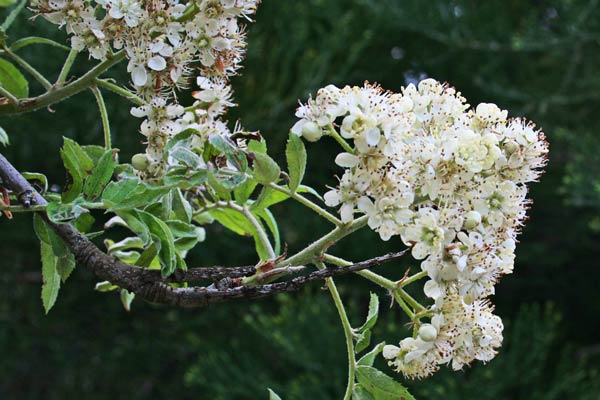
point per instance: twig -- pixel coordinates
(150, 285)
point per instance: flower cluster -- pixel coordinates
(165, 42)
(451, 182)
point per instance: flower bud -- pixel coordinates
(311, 131)
(140, 162)
(472, 219)
(390, 351)
(427, 333)
(511, 146)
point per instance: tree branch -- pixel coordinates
(149, 284)
(59, 93)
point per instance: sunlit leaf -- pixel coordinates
(13, 80)
(381, 386)
(100, 176)
(296, 158)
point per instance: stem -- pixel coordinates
(410, 300)
(403, 305)
(333, 133)
(315, 250)
(339, 305)
(13, 14)
(22, 209)
(106, 84)
(412, 279)
(27, 67)
(372, 276)
(62, 77)
(401, 296)
(104, 115)
(59, 94)
(306, 202)
(11, 97)
(262, 235)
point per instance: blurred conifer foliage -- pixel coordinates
(537, 58)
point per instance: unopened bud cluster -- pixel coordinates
(451, 183)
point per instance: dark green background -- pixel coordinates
(539, 59)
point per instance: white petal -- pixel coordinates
(157, 63)
(347, 160)
(139, 75)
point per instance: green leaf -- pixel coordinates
(35, 176)
(105, 286)
(186, 157)
(148, 256)
(19, 44)
(60, 213)
(273, 395)
(126, 299)
(7, 3)
(244, 191)
(125, 244)
(13, 80)
(223, 182)
(135, 224)
(167, 252)
(265, 169)
(362, 341)
(182, 229)
(268, 197)
(295, 153)
(185, 178)
(372, 315)
(64, 260)
(181, 207)
(234, 221)
(101, 175)
(381, 386)
(50, 276)
(94, 152)
(78, 165)
(3, 137)
(131, 193)
(369, 358)
(84, 223)
(271, 222)
(256, 146)
(360, 393)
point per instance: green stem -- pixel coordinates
(410, 300)
(339, 305)
(11, 97)
(412, 279)
(27, 67)
(316, 249)
(64, 72)
(385, 283)
(104, 115)
(262, 235)
(370, 275)
(59, 94)
(13, 14)
(333, 133)
(106, 84)
(22, 209)
(306, 202)
(404, 306)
